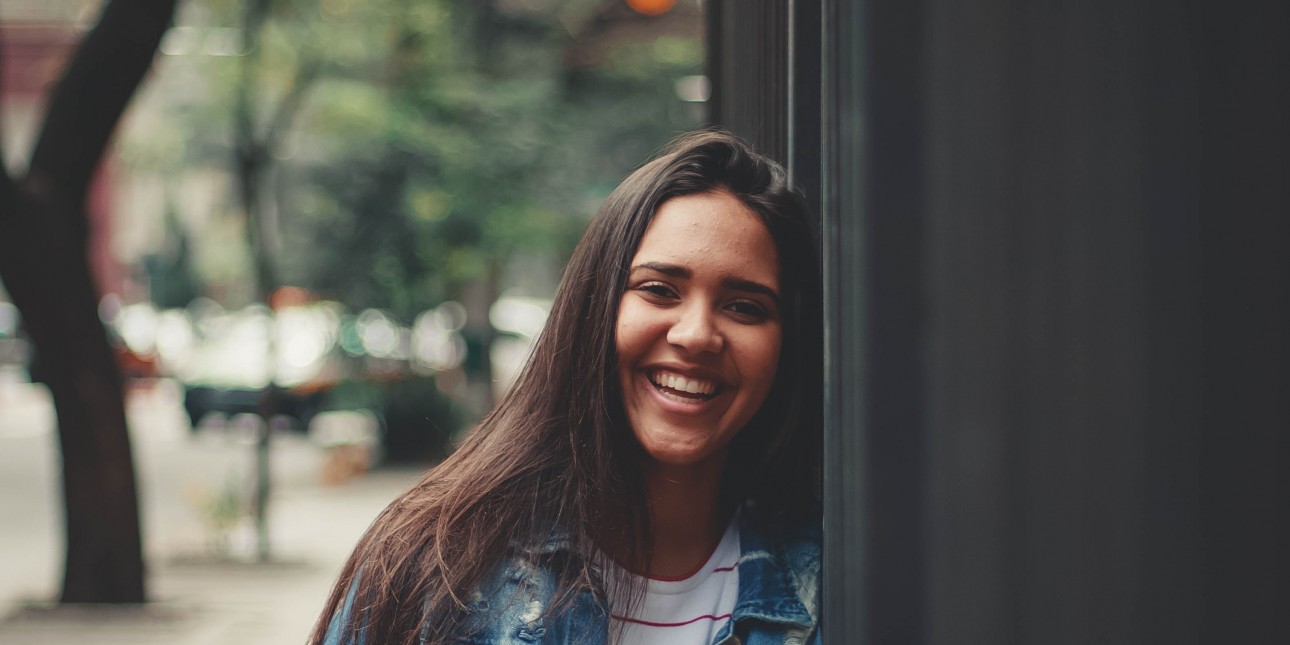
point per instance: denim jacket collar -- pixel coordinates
(778, 594)
(778, 578)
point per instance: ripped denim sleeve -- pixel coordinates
(513, 608)
(336, 632)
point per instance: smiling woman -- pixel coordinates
(653, 475)
(698, 331)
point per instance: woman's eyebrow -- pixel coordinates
(672, 270)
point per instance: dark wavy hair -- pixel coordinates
(557, 453)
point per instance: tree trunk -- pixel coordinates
(45, 268)
(50, 281)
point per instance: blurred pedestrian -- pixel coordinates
(653, 476)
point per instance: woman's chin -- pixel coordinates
(683, 455)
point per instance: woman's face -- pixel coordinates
(699, 329)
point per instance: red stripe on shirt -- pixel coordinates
(689, 575)
(682, 624)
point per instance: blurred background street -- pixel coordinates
(335, 224)
(204, 580)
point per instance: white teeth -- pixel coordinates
(687, 385)
(683, 384)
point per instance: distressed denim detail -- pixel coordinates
(777, 603)
(778, 595)
(516, 610)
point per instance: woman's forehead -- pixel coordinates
(714, 232)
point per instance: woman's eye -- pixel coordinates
(656, 289)
(748, 310)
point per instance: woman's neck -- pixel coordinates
(686, 516)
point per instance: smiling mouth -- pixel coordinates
(683, 388)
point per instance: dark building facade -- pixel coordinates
(1056, 245)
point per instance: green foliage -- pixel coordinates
(438, 139)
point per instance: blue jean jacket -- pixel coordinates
(777, 604)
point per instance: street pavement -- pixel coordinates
(204, 585)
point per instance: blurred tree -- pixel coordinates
(429, 143)
(171, 280)
(405, 146)
(256, 140)
(465, 135)
(43, 262)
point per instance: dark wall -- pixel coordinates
(1106, 267)
(747, 50)
(1058, 271)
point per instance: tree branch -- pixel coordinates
(291, 102)
(91, 96)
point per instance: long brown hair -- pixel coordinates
(556, 453)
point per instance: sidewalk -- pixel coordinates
(197, 600)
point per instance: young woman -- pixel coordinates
(653, 476)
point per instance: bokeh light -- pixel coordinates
(651, 7)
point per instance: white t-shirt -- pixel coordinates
(689, 611)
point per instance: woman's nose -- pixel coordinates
(695, 330)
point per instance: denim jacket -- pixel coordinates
(777, 603)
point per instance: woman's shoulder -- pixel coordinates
(779, 575)
(521, 599)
